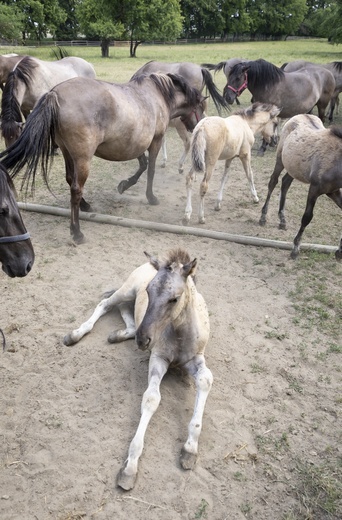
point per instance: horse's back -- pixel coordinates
(308, 149)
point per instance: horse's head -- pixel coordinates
(237, 82)
(191, 119)
(166, 299)
(16, 251)
(270, 130)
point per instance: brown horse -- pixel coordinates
(116, 122)
(312, 154)
(197, 77)
(171, 320)
(16, 251)
(28, 81)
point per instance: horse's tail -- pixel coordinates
(198, 149)
(35, 145)
(213, 91)
(215, 68)
(11, 117)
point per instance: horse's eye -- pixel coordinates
(173, 300)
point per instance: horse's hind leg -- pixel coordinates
(336, 196)
(223, 183)
(150, 402)
(306, 219)
(204, 380)
(203, 190)
(124, 185)
(188, 208)
(127, 313)
(285, 184)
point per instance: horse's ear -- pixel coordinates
(153, 261)
(189, 268)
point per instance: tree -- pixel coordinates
(276, 19)
(69, 28)
(101, 19)
(136, 20)
(39, 17)
(152, 20)
(11, 22)
(202, 18)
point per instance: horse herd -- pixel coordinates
(49, 104)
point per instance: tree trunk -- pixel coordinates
(105, 48)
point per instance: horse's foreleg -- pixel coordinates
(124, 185)
(150, 402)
(188, 208)
(223, 183)
(262, 148)
(204, 380)
(185, 136)
(271, 185)
(246, 162)
(152, 156)
(285, 184)
(306, 219)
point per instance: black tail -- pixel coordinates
(34, 147)
(215, 68)
(219, 100)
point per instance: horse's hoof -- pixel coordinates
(68, 340)
(282, 226)
(185, 221)
(201, 220)
(294, 254)
(260, 153)
(126, 482)
(256, 200)
(262, 221)
(218, 207)
(84, 206)
(181, 170)
(153, 201)
(114, 337)
(123, 186)
(338, 255)
(79, 239)
(188, 460)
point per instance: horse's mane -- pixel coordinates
(336, 131)
(260, 72)
(253, 109)
(178, 256)
(23, 69)
(337, 65)
(167, 84)
(5, 182)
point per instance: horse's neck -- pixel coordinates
(255, 126)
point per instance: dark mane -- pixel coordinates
(260, 73)
(215, 68)
(337, 65)
(167, 84)
(24, 68)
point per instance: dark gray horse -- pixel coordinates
(335, 68)
(16, 251)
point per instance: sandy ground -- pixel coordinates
(69, 413)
